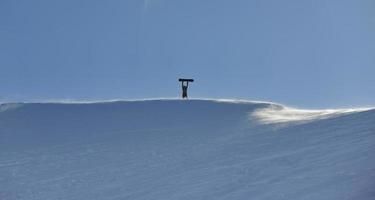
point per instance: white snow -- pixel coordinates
(177, 149)
(277, 114)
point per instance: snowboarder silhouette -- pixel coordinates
(184, 89)
(185, 85)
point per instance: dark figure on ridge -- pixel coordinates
(184, 89)
(185, 85)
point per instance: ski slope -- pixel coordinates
(177, 149)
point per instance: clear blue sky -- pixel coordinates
(311, 53)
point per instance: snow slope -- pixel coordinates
(176, 149)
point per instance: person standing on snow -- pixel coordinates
(185, 85)
(184, 89)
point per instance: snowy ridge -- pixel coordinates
(272, 113)
(72, 101)
(177, 149)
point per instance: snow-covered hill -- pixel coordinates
(177, 149)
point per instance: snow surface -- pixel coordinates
(177, 149)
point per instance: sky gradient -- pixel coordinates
(312, 54)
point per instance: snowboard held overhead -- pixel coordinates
(185, 85)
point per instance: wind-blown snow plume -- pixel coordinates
(282, 114)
